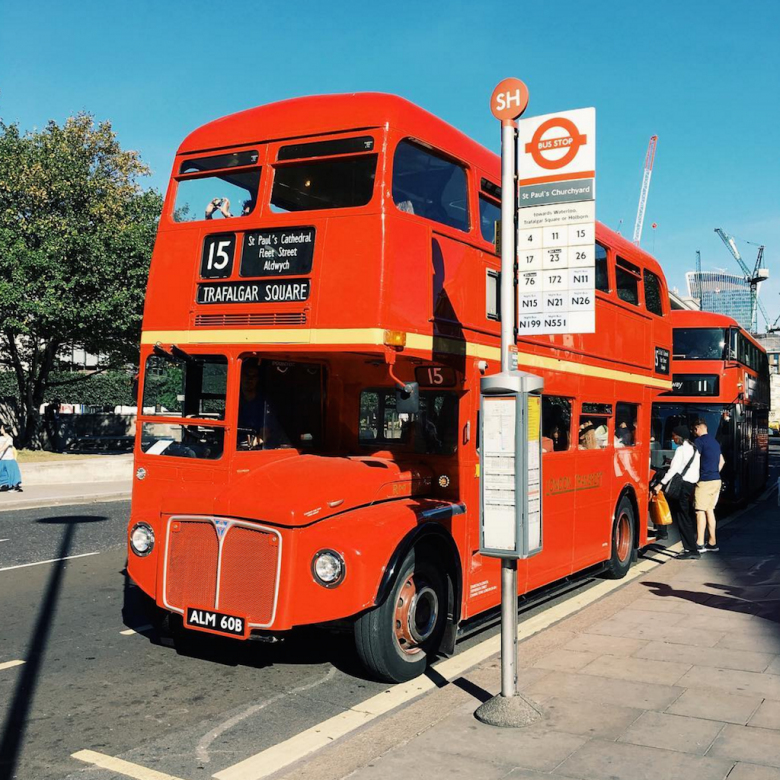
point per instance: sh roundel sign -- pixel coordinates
(555, 143)
(509, 99)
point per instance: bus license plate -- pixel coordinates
(215, 622)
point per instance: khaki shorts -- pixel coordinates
(705, 497)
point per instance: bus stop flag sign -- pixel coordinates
(556, 223)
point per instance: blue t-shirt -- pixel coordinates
(709, 448)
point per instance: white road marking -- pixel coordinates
(5, 540)
(10, 664)
(51, 560)
(284, 754)
(131, 631)
(122, 767)
(202, 750)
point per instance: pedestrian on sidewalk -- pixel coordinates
(10, 475)
(708, 488)
(685, 464)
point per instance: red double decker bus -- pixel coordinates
(720, 374)
(312, 255)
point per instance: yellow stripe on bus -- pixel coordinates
(373, 337)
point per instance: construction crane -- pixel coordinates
(754, 279)
(640, 213)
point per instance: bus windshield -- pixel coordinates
(720, 419)
(280, 405)
(700, 344)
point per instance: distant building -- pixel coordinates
(771, 343)
(721, 293)
(677, 301)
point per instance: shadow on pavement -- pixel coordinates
(21, 702)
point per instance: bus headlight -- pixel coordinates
(142, 539)
(328, 568)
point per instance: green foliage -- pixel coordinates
(107, 388)
(76, 236)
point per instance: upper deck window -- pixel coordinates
(627, 279)
(216, 196)
(653, 299)
(602, 272)
(489, 218)
(699, 343)
(185, 386)
(430, 186)
(327, 182)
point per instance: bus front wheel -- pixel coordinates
(623, 535)
(396, 640)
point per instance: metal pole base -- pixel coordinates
(509, 712)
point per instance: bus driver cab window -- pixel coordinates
(251, 407)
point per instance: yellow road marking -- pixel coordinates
(10, 664)
(123, 767)
(131, 631)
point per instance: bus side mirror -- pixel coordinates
(407, 401)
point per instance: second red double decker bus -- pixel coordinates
(313, 255)
(720, 374)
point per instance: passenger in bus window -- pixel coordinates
(588, 439)
(221, 205)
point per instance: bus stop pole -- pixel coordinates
(507, 298)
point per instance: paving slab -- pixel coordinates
(433, 765)
(753, 772)
(767, 716)
(746, 743)
(609, 627)
(774, 667)
(467, 737)
(566, 660)
(682, 635)
(650, 619)
(720, 620)
(716, 705)
(637, 669)
(672, 732)
(707, 656)
(590, 688)
(604, 645)
(733, 681)
(765, 643)
(588, 719)
(601, 760)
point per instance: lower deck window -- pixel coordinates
(556, 423)
(433, 431)
(182, 441)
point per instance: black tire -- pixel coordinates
(623, 535)
(396, 640)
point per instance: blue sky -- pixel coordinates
(704, 76)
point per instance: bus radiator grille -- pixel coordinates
(247, 563)
(261, 318)
(192, 565)
(248, 574)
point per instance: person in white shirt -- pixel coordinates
(10, 475)
(686, 463)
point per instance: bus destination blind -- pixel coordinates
(278, 252)
(287, 290)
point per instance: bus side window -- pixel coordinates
(602, 273)
(489, 218)
(627, 278)
(593, 431)
(653, 300)
(430, 186)
(556, 423)
(625, 424)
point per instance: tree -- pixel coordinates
(76, 236)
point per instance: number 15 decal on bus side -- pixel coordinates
(435, 376)
(216, 262)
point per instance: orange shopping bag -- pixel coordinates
(660, 513)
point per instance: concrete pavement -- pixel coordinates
(675, 675)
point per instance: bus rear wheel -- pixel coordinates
(396, 640)
(623, 535)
